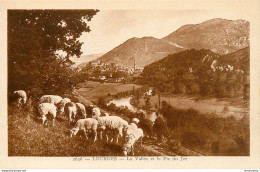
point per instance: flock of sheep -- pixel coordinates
(51, 105)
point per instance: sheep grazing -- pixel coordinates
(67, 100)
(112, 124)
(129, 129)
(81, 111)
(106, 114)
(53, 99)
(62, 104)
(135, 120)
(103, 122)
(132, 135)
(88, 124)
(96, 113)
(21, 97)
(47, 109)
(70, 110)
(116, 126)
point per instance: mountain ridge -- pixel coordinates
(221, 36)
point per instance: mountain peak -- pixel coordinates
(219, 35)
(223, 21)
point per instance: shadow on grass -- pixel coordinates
(60, 119)
(114, 147)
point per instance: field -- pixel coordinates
(93, 90)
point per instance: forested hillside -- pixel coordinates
(201, 72)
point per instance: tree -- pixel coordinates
(35, 38)
(147, 105)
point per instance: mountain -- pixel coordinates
(239, 59)
(141, 50)
(201, 72)
(83, 60)
(219, 35)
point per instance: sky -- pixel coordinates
(110, 28)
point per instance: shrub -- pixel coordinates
(206, 90)
(181, 89)
(194, 88)
(102, 102)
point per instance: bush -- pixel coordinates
(194, 88)
(180, 89)
(102, 102)
(206, 90)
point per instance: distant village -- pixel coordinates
(111, 72)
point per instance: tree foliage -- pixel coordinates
(35, 38)
(192, 72)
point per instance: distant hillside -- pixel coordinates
(219, 35)
(83, 60)
(201, 72)
(141, 50)
(239, 59)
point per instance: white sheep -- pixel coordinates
(135, 120)
(67, 100)
(96, 113)
(112, 124)
(70, 110)
(106, 114)
(129, 128)
(81, 110)
(116, 126)
(87, 124)
(132, 135)
(61, 105)
(103, 122)
(21, 97)
(45, 109)
(54, 99)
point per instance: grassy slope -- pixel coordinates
(93, 90)
(28, 137)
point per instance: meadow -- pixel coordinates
(93, 90)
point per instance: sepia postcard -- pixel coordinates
(130, 84)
